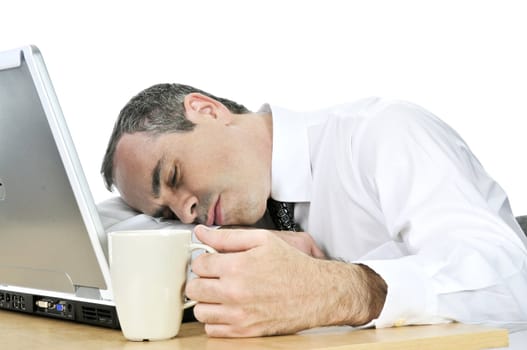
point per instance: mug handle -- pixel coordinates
(192, 247)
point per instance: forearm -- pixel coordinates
(355, 293)
(260, 285)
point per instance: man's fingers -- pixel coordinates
(219, 279)
(210, 313)
(216, 265)
(223, 321)
(208, 265)
(207, 290)
(221, 331)
(228, 240)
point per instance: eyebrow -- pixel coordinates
(156, 179)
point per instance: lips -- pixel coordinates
(218, 218)
(215, 217)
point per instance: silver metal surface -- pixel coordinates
(46, 235)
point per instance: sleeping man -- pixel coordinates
(387, 217)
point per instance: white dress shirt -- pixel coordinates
(388, 184)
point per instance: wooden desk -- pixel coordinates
(20, 331)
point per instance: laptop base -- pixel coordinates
(71, 310)
(67, 309)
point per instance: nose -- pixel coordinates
(184, 205)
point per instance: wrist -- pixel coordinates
(355, 293)
(375, 292)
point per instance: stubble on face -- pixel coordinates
(230, 175)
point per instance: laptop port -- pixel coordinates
(62, 306)
(45, 304)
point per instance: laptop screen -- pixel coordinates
(50, 236)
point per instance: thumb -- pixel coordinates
(228, 240)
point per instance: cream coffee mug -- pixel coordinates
(148, 269)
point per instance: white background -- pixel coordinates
(466, 61)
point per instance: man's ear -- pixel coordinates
(198, 106)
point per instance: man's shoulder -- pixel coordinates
(398, 127)
(376, 106)
(383, 113)
(392, 114)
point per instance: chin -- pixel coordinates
(247, 217)
(240, 222)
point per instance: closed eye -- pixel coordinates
(173, 180)
(170, 215)
(165, 213)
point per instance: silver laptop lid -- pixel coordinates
(51, 237)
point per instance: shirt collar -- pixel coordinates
(291, 165)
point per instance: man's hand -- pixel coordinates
(257, 284)
(300, 240)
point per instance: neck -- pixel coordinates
(258, 139)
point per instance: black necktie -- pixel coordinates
(283, 215)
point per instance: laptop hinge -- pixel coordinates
(88, 292)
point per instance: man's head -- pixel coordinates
(177, 151)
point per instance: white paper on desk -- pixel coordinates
(146, 222)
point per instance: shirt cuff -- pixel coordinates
(411, 299)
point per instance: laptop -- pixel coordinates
(53, 248)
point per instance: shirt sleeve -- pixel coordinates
(466, 255)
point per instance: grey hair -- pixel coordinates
(158, 109)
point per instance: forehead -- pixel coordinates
(136, 157)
